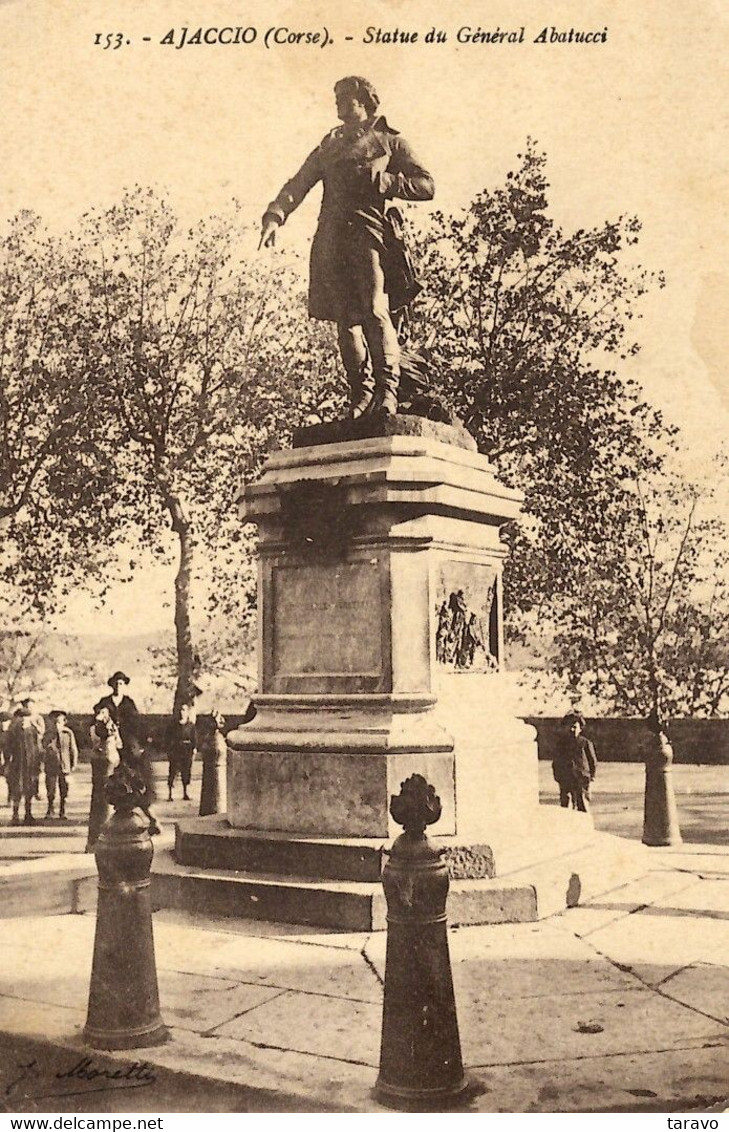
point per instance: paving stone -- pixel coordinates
(491, 979)
(703, 861)
(704, 987)
(189, 1001)
(287, 964)
(583, 922)
(351, 941)
(197, 1003)
(705, 897)
(41, 1019)
(312, 972)
(684, 1078)
(496, 942)
(654, 943)
(62, 988)
(500, 1031)
(267, 928)
(304, 1023)
(353, 979)
(653, 889)
(519, 941)
(45, 950)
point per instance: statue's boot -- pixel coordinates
(363, 391)
(384, 402)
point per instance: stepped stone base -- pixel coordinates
(335, 883)
(366, 428)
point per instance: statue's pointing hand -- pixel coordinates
(268, 232)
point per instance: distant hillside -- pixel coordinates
(70, 671)
(115, 652)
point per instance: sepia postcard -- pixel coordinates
(303, 305)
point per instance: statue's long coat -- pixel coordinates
(361, 170)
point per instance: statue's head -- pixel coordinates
(352, 93)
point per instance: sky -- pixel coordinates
(637, 125)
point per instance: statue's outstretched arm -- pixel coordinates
(295, 190)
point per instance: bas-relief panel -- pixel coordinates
(466, 617)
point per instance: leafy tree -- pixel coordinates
(23, 650)
(50, 531)
(226, 650)
(643, 627)
(198, 357)
(521, 320)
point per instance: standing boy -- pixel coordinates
(575, 764)
(60, 759)
(181, 748)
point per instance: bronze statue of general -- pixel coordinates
(361, 276)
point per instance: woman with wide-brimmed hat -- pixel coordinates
(123, 711)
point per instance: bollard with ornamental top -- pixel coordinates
(123, 1011)
(660, 816)
(420, 1056)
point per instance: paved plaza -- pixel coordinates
(702, 793)
(621, 1004)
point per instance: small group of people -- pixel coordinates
(30, 750)
(116, 739)
(187, 736)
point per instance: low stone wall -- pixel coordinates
(698, 741)
(616, 740)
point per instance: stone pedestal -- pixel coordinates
(381, 657)
(380, 639)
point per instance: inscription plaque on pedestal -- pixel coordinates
(326, 626)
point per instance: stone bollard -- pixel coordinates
(123, 1008)
(420, 1055)
(660, 817)
(214, 767)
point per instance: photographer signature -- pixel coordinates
(138, 1074)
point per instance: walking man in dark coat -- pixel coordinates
(575, 764)
(360, 273)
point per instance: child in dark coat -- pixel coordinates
(181, 748)
(575, 764)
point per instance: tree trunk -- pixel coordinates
(186, 658)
